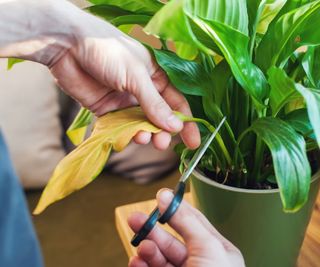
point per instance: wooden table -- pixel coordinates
(309, 255)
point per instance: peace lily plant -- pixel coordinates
(257, 62)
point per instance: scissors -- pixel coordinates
(155, 216)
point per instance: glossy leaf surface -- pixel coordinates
(290, 160)
(292, 30)
(137, 6)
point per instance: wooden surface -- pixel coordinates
(309, 255)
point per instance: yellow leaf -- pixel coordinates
(113, 131)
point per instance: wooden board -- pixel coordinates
(309, 255)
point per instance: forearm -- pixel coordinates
(36, 29)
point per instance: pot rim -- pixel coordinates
(206, 180)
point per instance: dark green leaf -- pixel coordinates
(292, 30)
(118, 16)
(290, 161)
(144, 7)
(299, 120)
(311, 65)
(188, 76)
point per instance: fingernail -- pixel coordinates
(174, 123)
(165, 197)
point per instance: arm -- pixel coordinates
(95, 63)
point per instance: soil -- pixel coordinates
(233, 178)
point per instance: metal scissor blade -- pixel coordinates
(200, 152)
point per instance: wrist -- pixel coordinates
(39, 30)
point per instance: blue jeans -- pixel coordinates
(18, 244)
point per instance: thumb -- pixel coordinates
(154, 106)
(184, 221)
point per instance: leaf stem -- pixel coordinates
(211, 128)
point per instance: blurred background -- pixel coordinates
(80, 230)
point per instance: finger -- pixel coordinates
(184, 220)
(137, 262)
(151, 254)
(142, 138)
(155, 107)
(161, 140)
(174, 251)
(190, 133)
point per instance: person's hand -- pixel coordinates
(204, 246)
(95, 63)
(107, 70)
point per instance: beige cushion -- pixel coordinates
(29, 120)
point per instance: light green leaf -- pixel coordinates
(187, 76)
(229, 12)
(269, 12)
(234, 46)
(171, 23)
(282, 90)
(144, 7)
(12, 62)
(292, 30)
(77, 130)
(186, 51)
(290, 161)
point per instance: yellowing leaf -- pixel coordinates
(112, 131)
(77, 130)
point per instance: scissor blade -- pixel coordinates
(200, 152)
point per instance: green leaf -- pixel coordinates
(299, 120)
(171, 23)
(188, 76)
(292, 30)
(311, 65)
(282, 90)
(144, 7)
(12, 62)
(186, 51)
(234, 46)
(77, 130)
(229, 12)
(269, 12)
(291, 166)
(311, 97)
(118, 16)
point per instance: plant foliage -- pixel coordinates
(254, 61)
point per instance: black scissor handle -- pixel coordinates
(146, 228)
(156, 216)
(175, 203)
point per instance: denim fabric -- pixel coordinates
(18, 244)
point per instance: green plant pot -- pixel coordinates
(254, 221)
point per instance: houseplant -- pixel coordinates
(256, 62)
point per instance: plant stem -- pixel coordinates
(211, 129)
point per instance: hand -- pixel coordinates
(204, 246)
(94, 63)
(106, 70)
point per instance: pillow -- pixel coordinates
(29, 119)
